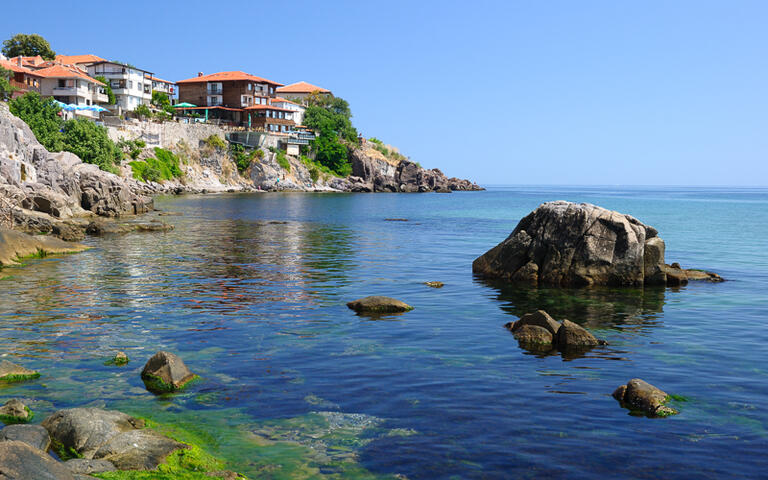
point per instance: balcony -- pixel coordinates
(219, 91)
(99, 97)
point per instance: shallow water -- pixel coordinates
(257, 308)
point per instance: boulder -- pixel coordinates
(640, 396)
(19, 461)
(14, 411)
(571, 335)
(434, 284)
(137, 450)
(15, 245)
(84, 430)
(540, 318)
(10, 372)
(379, 304)
(33, 435)
(85, 466)
(165, 372)
(533, 335)
(568, 244)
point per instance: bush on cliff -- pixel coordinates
(82, 137)
(330, 119)
(164, 167)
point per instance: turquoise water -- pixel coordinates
(251, 289)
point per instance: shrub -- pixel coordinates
(92, 144)
(376, 141)
(143, 111)
(314, 173)
(42, 116)
(164, 167)
(131, 148)
(5, 85)
(215, 141)
(282, 160)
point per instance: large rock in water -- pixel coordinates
(15, 245)
(640, 396)
(568, 244)
(33, 435)
(377, 304)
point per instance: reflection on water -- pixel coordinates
(251, 291)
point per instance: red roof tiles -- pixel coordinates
(302, 87)
(228, 77)
(78, 59)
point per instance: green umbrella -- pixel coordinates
(184, 105)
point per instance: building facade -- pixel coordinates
(70, 85)
(23, 79)
(132, 86)
(296, 109)
(225, 89)
(299, 91)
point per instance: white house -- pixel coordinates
(71, 85)
(298, 110)
(131, 86)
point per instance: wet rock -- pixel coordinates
(395, 219)
(85, 430)
(701, 275)
(434, 284)
(15, 245)
(568, 244)
(533, 335)
(571, 335)
(165, 372)
(137, 450)
(33, 435)
(87, 466)
(10, 372)
(379, 304)
(640, 396)
(19, 461)
(102, 227)
(676, 277)
(119, 359)
(14, 411)
(540, 318)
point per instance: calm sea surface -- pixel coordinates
(251, 289)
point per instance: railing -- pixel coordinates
(21, 85)
(216, 91)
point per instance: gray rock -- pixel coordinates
(19, 461)
(539, 318)
(533, 335)
(33, 435)
(137, 450)
(87, 466)
(14, 411)
(10, 372)
(15, 245)
(85, 430)
(165, 372)
(571, 335)
(569, 244)
(640, 396)
(379, 304)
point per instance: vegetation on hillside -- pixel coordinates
(82, 137)
(163, 166)
(5, 84)
(25, 45)
(330, 118)
(244, 157)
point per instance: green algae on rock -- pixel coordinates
(165, 372)
(640, 397)
(12, 373)
(16, 246)
(120, 359)
(14, 411)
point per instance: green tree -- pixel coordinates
(143, 111)
(108, 89)
(25, 45)
(330, 118)
(160, 99)
(91, 143)
(5, 84)
(42, 116)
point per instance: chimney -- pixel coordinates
(199, 74)
(18, 60)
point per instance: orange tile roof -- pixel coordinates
(228, 77)
(267, 107)
(61, 71)
(302, 87)
(76, 59)
(155, 79)
(283, 100)
(14, 67)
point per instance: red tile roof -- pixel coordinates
(78, 59)
(267, 107)
(155, 79)
(302, 87)
(62, 71)
(14, 67)
(228, 77)
(283, 100)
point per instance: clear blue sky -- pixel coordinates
(541, 92)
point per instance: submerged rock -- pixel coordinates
(379, 304)
(538, 329)
(20, 461)
(539, 318)
(640, 396)
(14, 411)
(119, 359)
(434, 284)
(10, 372)
(533, 335)
(83, 431)
(33, 435)
(165, 372)
(15, 245)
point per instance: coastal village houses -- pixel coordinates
(132, 86)
(23, 79)
(299, 91)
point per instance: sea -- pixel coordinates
(250, 290)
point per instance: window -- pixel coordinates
(250, 87)
(130, 83)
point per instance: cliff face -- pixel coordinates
(39, 188)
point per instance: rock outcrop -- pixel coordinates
(16, 245)
(166, 372)
(568, 244)
(41, 188)
(640, 396)
(379, 305)
(539, 331)
(33, 435)
(19, 461)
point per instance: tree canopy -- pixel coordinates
(330, 118)
(25, 45)
(5, 85)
